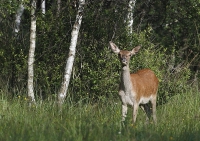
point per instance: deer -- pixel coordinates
(136, 89)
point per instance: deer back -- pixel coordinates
(144, 83)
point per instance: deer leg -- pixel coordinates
(124, 111)
(153, 102)
(147, 111)
(135, 111)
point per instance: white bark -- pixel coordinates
(31, 53)
(43, 7)
(18, 16)
(71, 55)
(58, 7)
(129, 19)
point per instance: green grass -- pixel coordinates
(178, 120)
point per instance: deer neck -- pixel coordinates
(126, 84)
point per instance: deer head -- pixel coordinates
(124, 55)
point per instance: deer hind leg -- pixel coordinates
(147, 111)
(153, 102)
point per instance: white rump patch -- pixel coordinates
(145, 100)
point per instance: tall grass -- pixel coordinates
(179, 119)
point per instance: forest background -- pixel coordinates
(168, 31)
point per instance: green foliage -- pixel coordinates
(94, 76)
(172, 80)
(96, 70)
(174, 24)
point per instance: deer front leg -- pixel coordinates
(124, 104)
(135, 111)
(124, 111)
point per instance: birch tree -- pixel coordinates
(18, 16)
(31, 53)
(71, 55)
(43, 7)
(58, 7)
(129, 19)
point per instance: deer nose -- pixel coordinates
(124, 60)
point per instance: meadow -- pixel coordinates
(178, 120)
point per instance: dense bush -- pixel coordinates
(97, 74)
(96, 70)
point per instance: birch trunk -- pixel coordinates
(18, 16)
(71, 55)
(43, 7)
(31, 54)
(58, 7)
(129, 19)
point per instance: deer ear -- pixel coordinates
(114, 47)
(135, 50)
